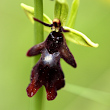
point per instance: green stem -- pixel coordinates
(37, 100)
(38, 27)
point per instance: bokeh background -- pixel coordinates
(93, 71)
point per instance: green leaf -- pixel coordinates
(78, 38)
(95, 95)
(30, 14)
(74, 9)
(61, 10)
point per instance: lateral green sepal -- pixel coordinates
(78, 38)
(30, 13)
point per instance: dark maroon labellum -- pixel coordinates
(48, 71)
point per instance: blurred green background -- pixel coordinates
(93, 71)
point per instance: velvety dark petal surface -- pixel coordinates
(54, 41)
(51, 93)
(35, 83)
(33, 88)
(48, 71)
(60, 82)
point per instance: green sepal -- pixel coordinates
(29, 11)
(73, 12)
(78, 38)
(61, 11)
(30, 14)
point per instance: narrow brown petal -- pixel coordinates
(67, 55)
(35, 50)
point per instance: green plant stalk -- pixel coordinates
(37, 100)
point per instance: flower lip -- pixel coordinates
(48, 71)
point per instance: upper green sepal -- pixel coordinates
(61, 11)
(78, 38)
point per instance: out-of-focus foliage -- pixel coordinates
(93, 71)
